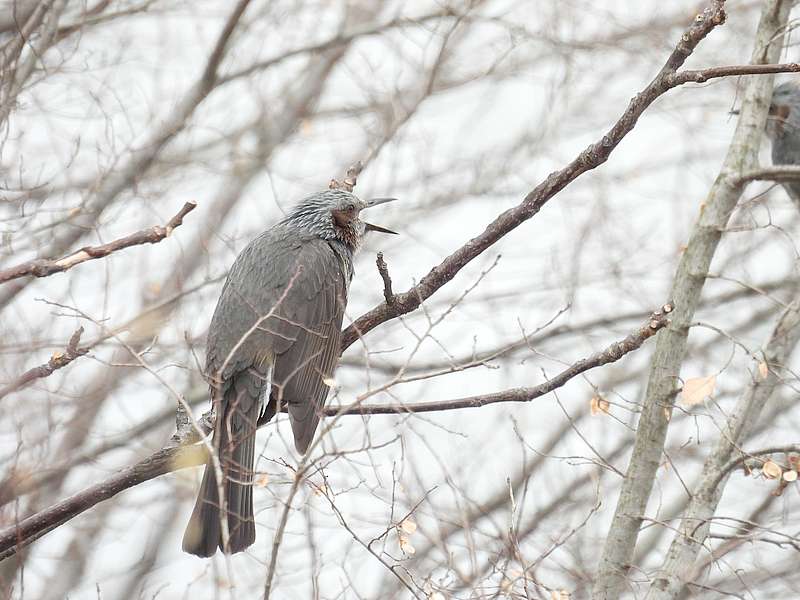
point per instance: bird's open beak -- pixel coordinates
(371, 227)
(376, 202)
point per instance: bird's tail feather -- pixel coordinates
(204, 532)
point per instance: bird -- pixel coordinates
(783, 130)
(274, 340)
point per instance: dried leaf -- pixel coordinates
(763, 369)
(57, 356)
(262, 480)
(771, 470)
(559, 595)
(790, 476)
(408, 526)
(598, 405)
(406, 546)
(436, 596)
(329, 381)
(696, 390)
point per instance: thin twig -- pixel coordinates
(749, 455)
(350, 178)
(658, 320)
(57, 361)
(704, 75)
(166, 460)
(383, 269)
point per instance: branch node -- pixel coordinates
(383, 269)
(350, 179)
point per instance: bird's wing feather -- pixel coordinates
(301, 376)
(301, 371)
(250, 321)
(284, 299)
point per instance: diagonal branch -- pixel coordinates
(704, 75)
(383, 270)
(166, 460)
(211, 71)
(592, 157)
(59, 360)
(657, 321)
(43, 267)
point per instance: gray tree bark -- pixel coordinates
(663, 382)
(695, 523)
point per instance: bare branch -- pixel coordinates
(340, 40)
(57, 361)
(686, 290)
(657, 321)
(592, 157)
(166, 460)
(43, 267)
(383, 269)
(779, 173)
(350, 178)
(210, 73)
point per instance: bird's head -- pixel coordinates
(336, 215)
(784, 111)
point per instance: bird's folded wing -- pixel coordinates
(304, 370)
(284, 301)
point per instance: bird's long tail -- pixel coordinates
(234, 437)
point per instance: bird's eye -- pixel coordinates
(350, 207)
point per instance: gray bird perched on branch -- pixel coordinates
(783, 130)
(274, 340)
